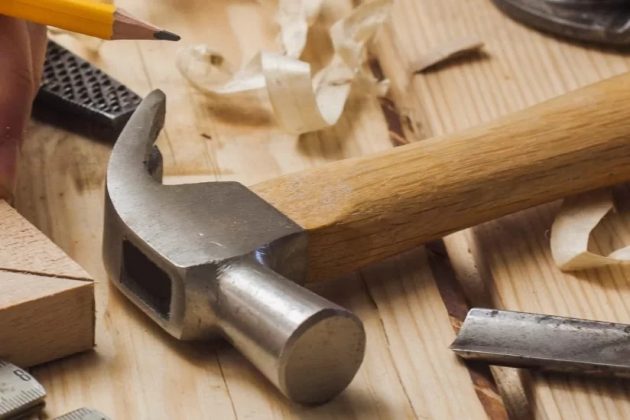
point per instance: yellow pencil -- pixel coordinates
(87, 17)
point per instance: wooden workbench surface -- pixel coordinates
(409, 303)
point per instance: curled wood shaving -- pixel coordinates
(284, 84)
(447, 51)
(295, 17)
(572, 229)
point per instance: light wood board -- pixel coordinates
(138, 372)
(507, 263)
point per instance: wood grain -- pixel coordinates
(139, 372)
(46, 300)
(362, 210)
(25, 249)
(521, 68)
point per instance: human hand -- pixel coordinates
(22, 49)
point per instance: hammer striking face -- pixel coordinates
(213, 259)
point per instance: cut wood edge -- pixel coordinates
(16, 288)
(46, 299)
(26, 249)
(44, 324)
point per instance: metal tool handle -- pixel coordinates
(309, 347)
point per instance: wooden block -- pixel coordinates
(46, 299)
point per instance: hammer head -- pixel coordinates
(214, 258)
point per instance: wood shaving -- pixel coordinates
(572, 229)
(299, 102)
(447, 51)
(295, 18)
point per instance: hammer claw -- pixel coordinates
(136, 155)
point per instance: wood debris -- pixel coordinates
(447, 51)
(572, 229)
(282, 83)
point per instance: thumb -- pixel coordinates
(15, 105)
(16, 94)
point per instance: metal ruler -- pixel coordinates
(22, 397)
(20, 394)
(83, 414)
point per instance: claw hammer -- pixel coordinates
(216, 258)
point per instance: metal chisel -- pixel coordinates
(545, 342)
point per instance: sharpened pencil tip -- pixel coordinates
(166, 36)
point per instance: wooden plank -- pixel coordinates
(419, 332)
(506, 263)
(532, 283)
(46, 299)
(136, 364)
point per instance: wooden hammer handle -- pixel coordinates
(362, 210)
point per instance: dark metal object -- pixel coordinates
(20, 394)
(166, 36)
(83, 414)
(214, 259)
(77, 96)
(546, 342)
(599, 21)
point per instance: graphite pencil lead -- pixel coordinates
(166, 36)
(127, 26)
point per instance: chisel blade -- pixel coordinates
(545, 342)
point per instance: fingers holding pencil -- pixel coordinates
(38, 39)
(22, 50)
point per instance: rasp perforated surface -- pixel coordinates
(20, 393)
(79, 97)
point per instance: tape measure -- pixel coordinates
(83, 414)
(20, 393)
(22, 396)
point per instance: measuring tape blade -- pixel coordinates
(20, 393)
(83, 414)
